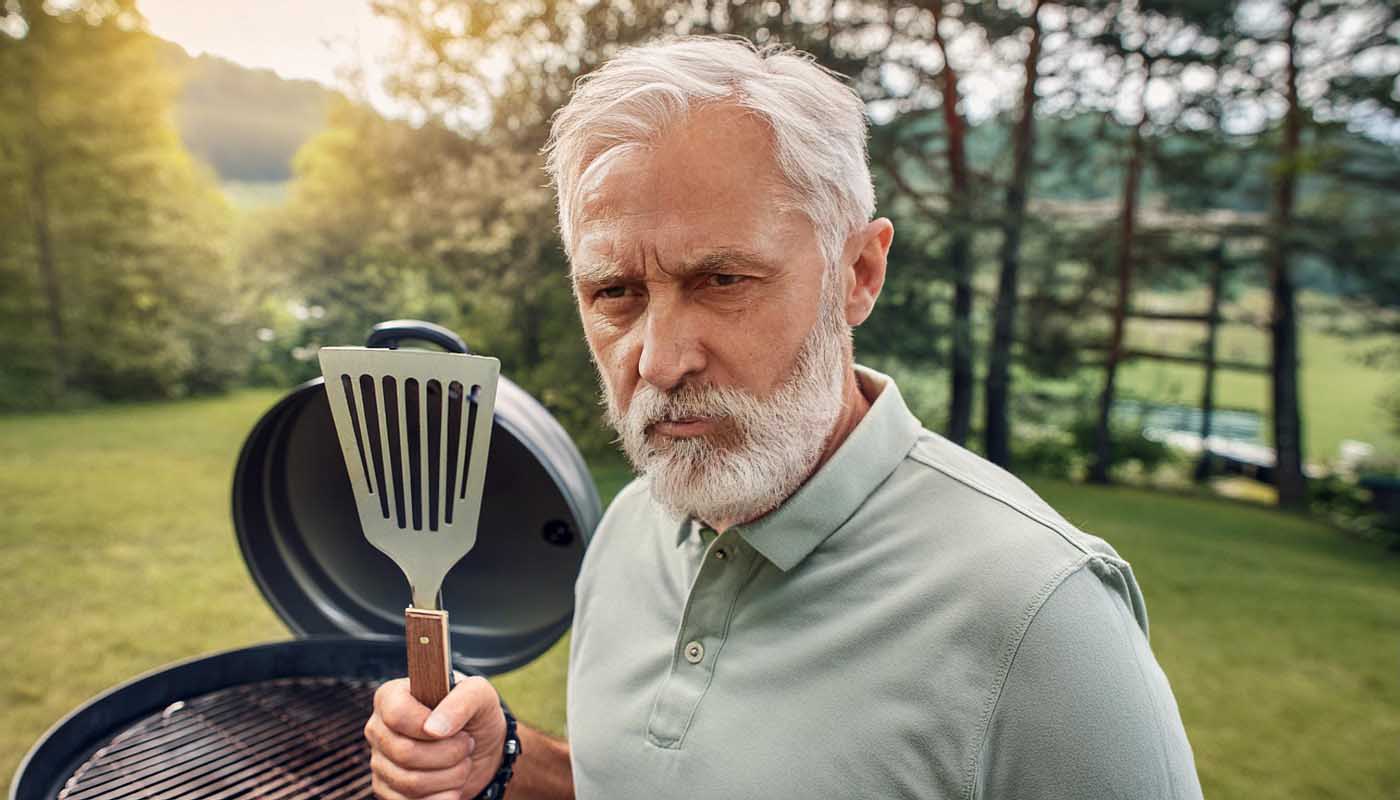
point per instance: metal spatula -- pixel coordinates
(415, 428)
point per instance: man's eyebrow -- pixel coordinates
(726, 258)
(604, 271)
(593, 273)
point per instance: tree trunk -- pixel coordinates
(39, 216)
(960, 401)
(1288, 427)
(960, 246)
(998, 386)
(1127, 230)
(1217, 279)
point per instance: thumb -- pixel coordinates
(470, 704)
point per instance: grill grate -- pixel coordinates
(280, 740)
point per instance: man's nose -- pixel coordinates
(671, 348)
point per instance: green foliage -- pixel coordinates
(117, 279)
(1132, 450)
(448, 220)
(1390, 404)
(1049, 451)
(386, 220)
(1344, 502)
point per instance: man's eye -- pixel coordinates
(724, 279)
(611, 292)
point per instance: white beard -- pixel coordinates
(767, 447)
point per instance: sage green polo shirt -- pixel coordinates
(913, 622)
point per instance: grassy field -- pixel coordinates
(117, 556)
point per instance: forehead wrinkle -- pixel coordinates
(656, 259)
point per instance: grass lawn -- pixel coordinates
(118, 556)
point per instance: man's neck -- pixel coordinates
(854, 406)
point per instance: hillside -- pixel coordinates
(247, 124)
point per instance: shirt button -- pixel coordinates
(694, 652)
(721, 554)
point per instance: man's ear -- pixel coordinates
(866, 253)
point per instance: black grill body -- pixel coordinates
(295, 685)
(265, 721)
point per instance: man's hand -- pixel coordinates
(451, 751)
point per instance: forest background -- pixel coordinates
(1128, 232)
(1111, 216)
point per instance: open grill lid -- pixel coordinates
(508, 600)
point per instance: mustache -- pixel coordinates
(650, 405)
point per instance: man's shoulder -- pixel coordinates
(947, 476)
(967, 522)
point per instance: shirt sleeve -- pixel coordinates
(1085, 711)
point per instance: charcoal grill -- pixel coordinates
(304, 732)
(284, 720)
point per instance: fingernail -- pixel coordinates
(471, 745)
(437, 726)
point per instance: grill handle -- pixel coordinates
(390, 334)
(429, 659)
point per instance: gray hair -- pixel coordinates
(818, 123)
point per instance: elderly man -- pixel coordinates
(805, 594)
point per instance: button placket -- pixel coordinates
(699, 640)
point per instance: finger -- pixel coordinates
(389, 689)
(419, 783)
(470, 703)
(400, 712)
(383, 791)
(417, 754)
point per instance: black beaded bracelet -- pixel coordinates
(497, 787)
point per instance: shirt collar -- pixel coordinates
(872, 450)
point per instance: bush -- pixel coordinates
(1351, 506)
(1132, 450)
(1049, 451)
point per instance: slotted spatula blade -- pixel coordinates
(414, 429)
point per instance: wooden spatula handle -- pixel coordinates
(429, 662)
